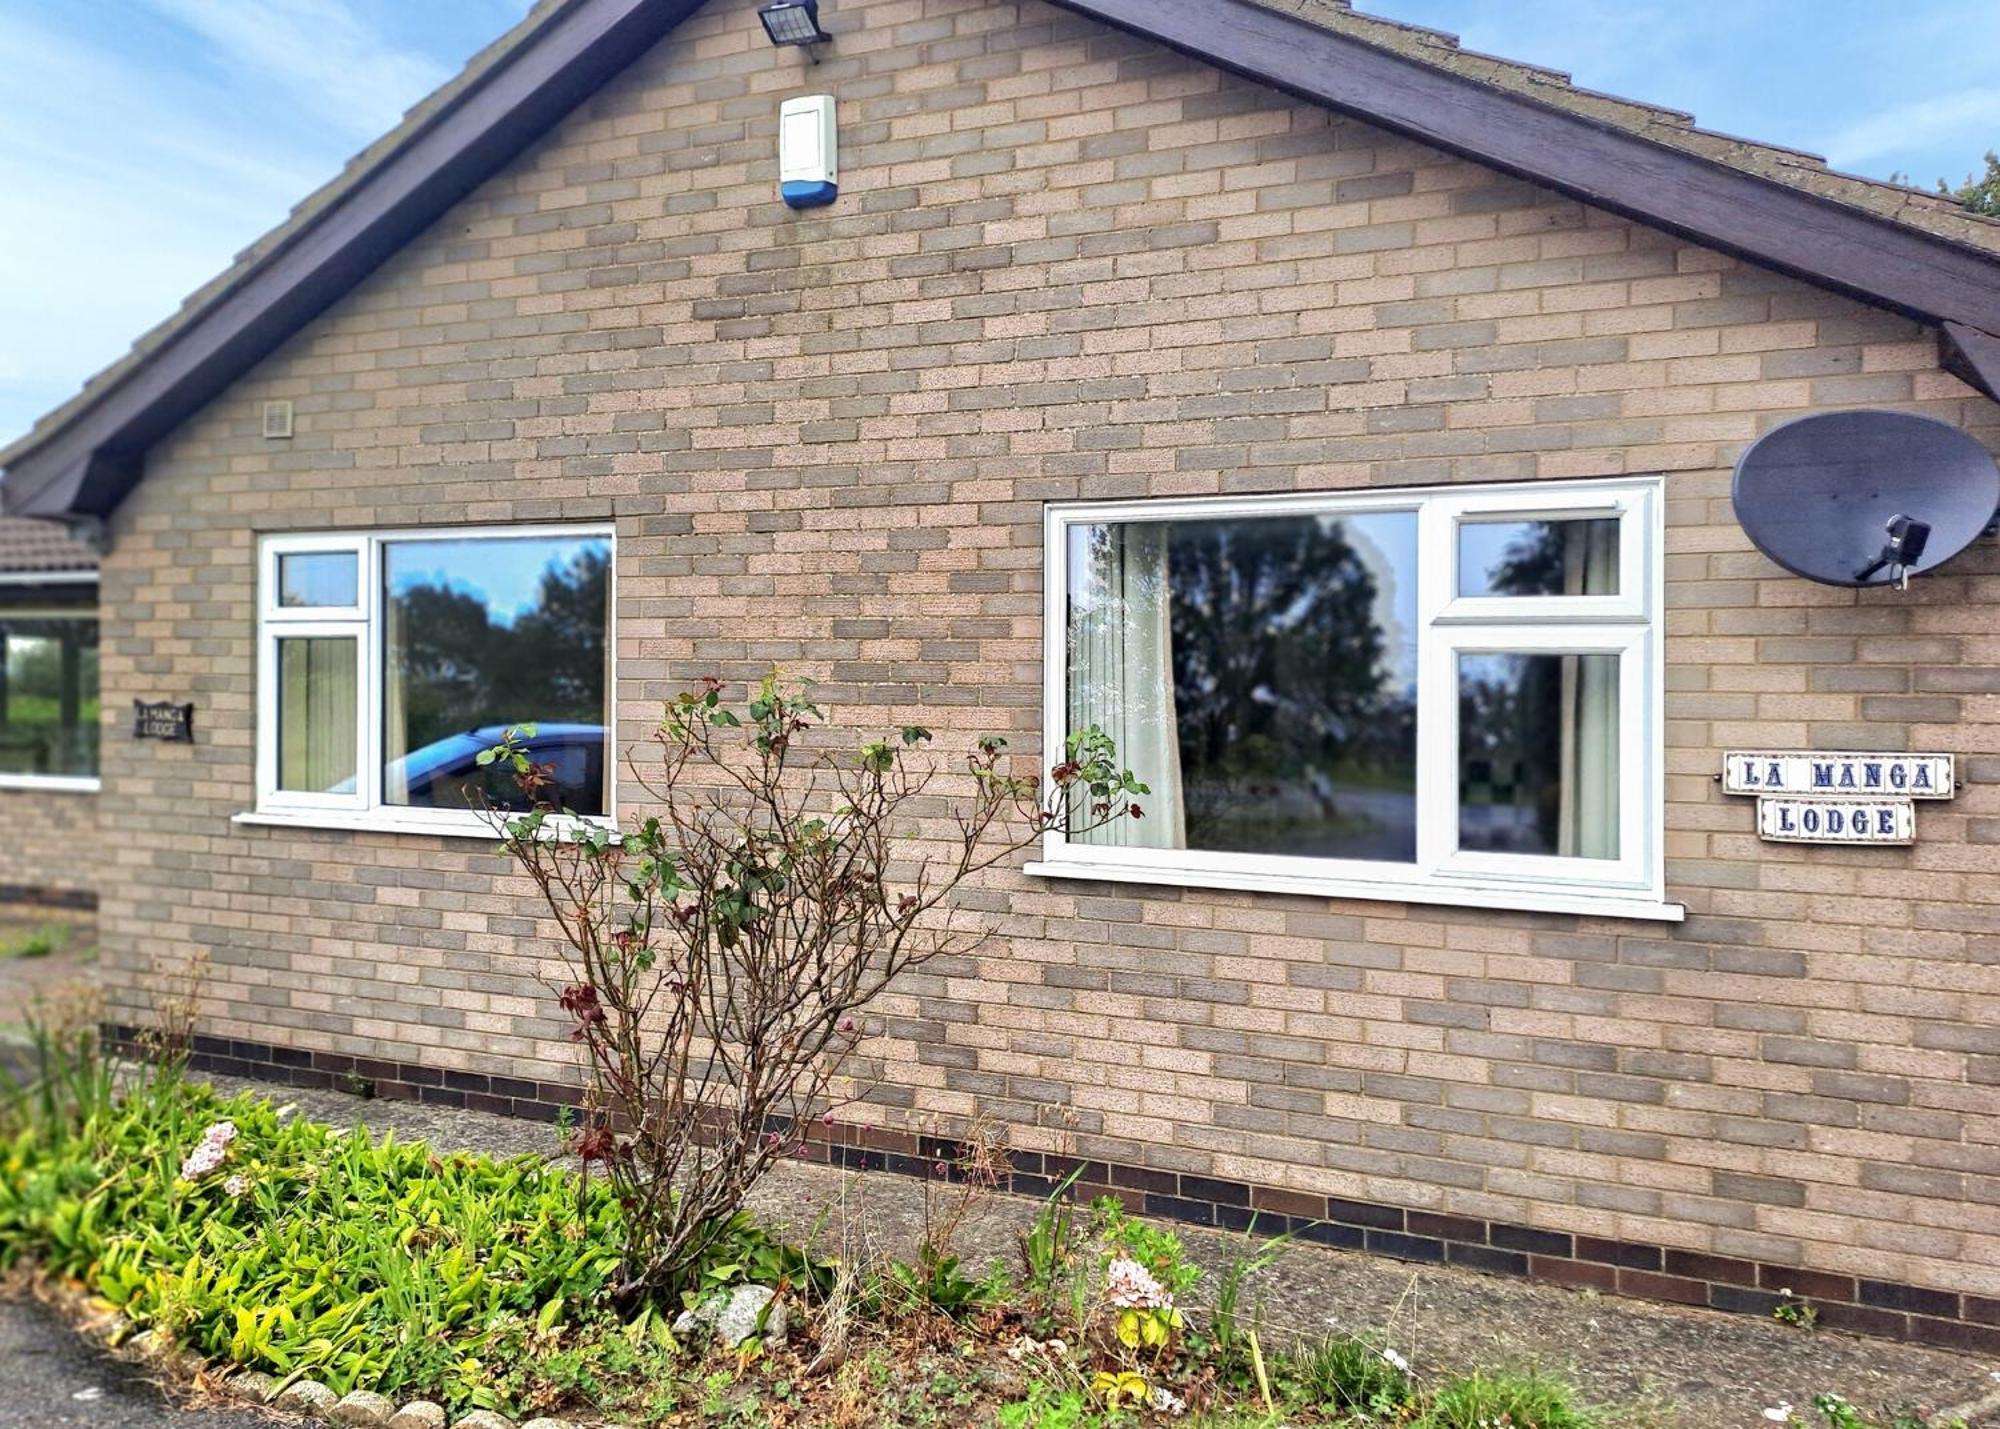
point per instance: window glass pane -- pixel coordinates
(1509, 556)
(483, 635)
(319, 579)
(48, 696)
(1259, 674)
(1538, 754)
(316, 714)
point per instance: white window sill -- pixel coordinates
(1529, 900)
(52, 783)
(430, 823)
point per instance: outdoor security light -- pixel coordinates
(793, 22)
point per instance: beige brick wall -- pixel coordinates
(50, 851)
(1066, 264)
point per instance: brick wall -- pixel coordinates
(48, 859)
(1065, 264)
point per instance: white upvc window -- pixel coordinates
(1445, 695)
(388, 660)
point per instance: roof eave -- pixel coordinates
(84, 464)
(1820, 240)
(87, 462)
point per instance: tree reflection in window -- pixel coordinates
(487, 634)
(1512, 556)
(1297, 734)
(1262, 671)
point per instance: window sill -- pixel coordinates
(435, 824)
(1527, 900)
(52, 783)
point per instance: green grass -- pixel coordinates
(1348, 1375)
(39, 942)
(1480, 1400)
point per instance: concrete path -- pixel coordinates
(51, 1378)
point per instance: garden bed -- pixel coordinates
(407, 1227)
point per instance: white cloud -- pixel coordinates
(1971, 116)
(320, 50)
(136, 161)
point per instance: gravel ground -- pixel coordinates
(24, 980)
(1665, 1367)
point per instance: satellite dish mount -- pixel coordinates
(1905, 547)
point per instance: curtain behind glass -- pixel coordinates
(395, 706)
(316, 705)
(1589, 824)
(1121, 671)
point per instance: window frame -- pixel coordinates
(364, 810)
(1628, 624)
(62, 783)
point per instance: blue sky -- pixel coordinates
(144, 142)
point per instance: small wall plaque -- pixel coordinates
(1892, 776)
(1837, 821)
(163, 720)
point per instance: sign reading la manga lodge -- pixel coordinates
(1839, 798)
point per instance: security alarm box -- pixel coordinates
(808, 152)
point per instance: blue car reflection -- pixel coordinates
(446, 773)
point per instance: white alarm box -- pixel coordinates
(808, 152)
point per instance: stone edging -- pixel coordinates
(1882, 1308)
(308, 1398)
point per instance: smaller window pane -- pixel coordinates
(317, 725)
(1538, 754)
(48, 696)
(1509, 556)
(318, 580)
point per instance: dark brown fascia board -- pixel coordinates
(1972, 356)
(85, 466)
(1823, 242)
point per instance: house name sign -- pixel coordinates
(1838, 798)
(163, 720)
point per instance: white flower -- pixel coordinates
(208, 1154)
(1132, 1287)
(1166, 1401)
(1779, 1413)
(237, 1185)
(1397, 1360)
(200, 1161)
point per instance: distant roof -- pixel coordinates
(33, 547)
(1902, 248)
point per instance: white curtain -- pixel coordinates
(395, 722)
(1589, 823)
(1121, 671)
(316, 695)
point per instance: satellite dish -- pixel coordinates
(1865, 498)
